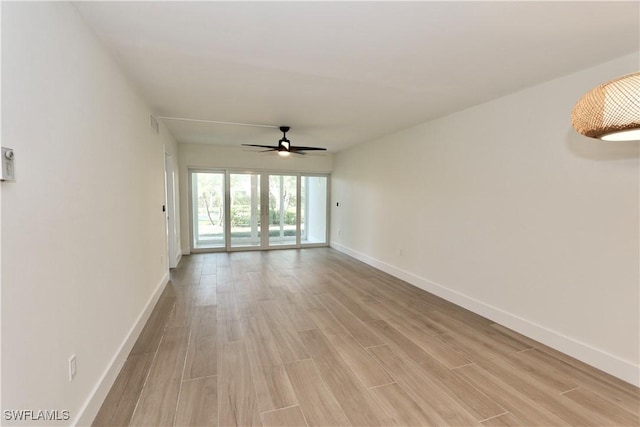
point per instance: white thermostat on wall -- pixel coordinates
(8, 167)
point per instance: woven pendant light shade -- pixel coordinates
(610, 108)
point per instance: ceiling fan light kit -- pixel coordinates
(284, 147)
(611, 111)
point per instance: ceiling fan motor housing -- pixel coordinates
(284, 144)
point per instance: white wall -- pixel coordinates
(236, 158)
(504, 209)
(83, 232)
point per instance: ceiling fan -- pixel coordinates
(284, 147)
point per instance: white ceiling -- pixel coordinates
(341, 73)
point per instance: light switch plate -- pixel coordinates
(8, 166)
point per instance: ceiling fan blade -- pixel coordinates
(269, 150)
(260, 146)
(296, 148)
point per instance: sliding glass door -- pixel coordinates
(207, 209)
(245, 208)
(257, 210)
(283, 208)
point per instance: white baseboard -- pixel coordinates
(597, 358)
(100, 391)
(178, 258)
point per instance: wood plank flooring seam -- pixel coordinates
(537, 393)
(285, 417)
(381, 385)
(462, 366)
(317, 403)
(437, 374)
(615, 416)
(349, 365)
(279, 409)
(184, 364)
(493, 417)
(295, 361)
(304, 417)
(374, 346)
(415, 385)
(199, 378)
(570, 390)
(145, 380)
(324, 382)
(341, 379)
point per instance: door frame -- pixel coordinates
(170, 211)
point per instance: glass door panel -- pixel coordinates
(244, 191)
(282, 209)
(313, 216)
(207, 198)
(257, 210)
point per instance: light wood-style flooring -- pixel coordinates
(314, 337)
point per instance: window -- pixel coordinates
(257, 210)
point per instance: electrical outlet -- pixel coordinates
(73, 368)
